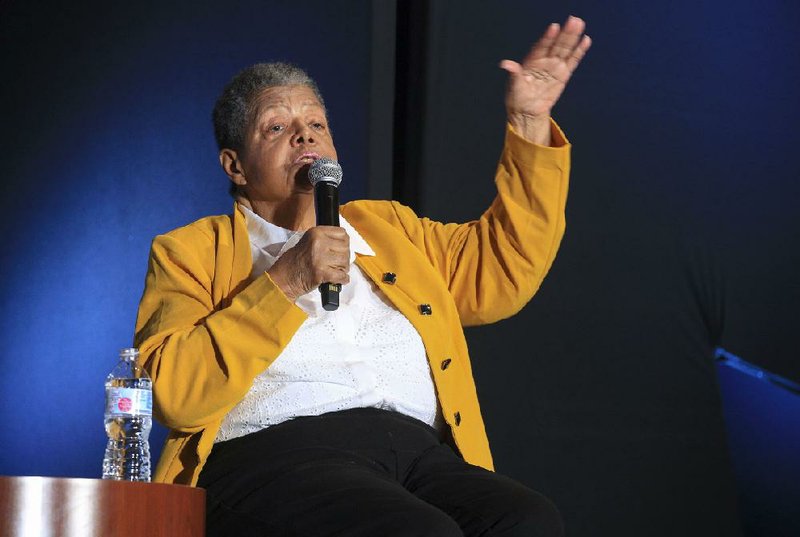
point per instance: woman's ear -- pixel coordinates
(229, 161)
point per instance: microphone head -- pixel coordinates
(325, 170)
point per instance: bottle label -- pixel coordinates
(129, 402)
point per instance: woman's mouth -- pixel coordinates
(307, 158)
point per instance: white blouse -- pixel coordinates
(364, 354)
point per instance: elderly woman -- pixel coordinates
(365, 420)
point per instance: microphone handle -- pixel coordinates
(326, 202)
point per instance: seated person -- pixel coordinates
(362, 421)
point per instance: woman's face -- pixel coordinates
(286, 133)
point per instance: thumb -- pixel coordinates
(511, 66)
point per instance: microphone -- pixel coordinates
(325, 175)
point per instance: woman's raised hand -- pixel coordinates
(536, 84)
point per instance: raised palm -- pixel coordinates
(536, 84)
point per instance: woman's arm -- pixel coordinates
(202, 355)
(494, 265)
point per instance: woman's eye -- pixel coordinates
(318, 126)
(275, 128)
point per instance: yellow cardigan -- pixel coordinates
(205, 329)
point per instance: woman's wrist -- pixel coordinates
(534, 129)
(281, 280)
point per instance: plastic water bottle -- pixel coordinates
(128, 417)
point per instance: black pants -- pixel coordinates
(362, 472)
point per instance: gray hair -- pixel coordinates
(234, 107)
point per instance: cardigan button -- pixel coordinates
(446, 363)
(389, 277)
(457, 416)
(425, 309)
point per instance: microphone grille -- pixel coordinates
(325, 169)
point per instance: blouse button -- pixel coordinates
(389, 277)
(425, 309)
(457, 416)
(446, 363)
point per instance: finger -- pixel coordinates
(568, 38)
(331, 231)
(340, 244)
(336, 275)
(579, 53)
(542, 47)
(338, 253)
(340, 259)
(511, 66)
(330, 237)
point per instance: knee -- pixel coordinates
(530, 515)
(430, 523)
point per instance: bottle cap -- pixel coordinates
(130, 353)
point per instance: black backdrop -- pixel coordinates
(681, 234)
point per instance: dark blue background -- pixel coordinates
(682, 228)
(108, 139)
(682, 235)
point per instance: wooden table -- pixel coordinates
(58, 507)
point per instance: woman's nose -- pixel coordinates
(303, 135)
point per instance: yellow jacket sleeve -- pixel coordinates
(492, 266)
(196, 344)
